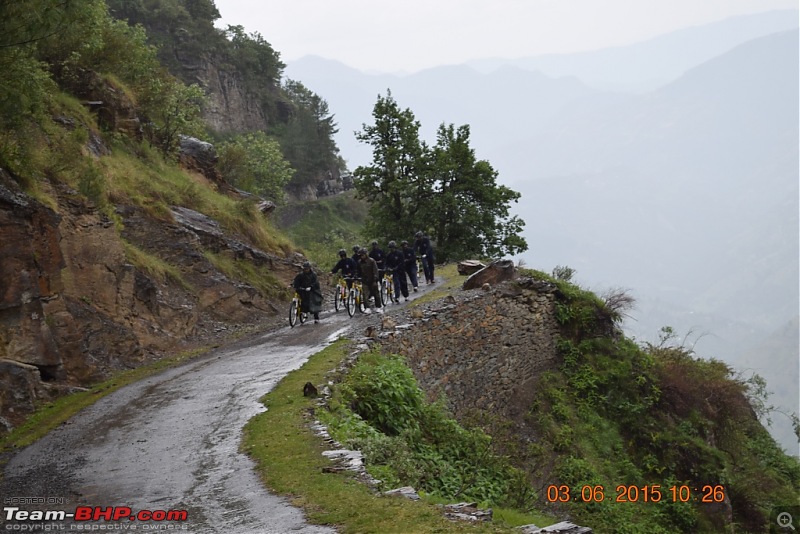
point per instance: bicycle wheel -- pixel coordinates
(389, 291)
(293, 313)
(337, 299)
(350, 303)
(361, 301)
(385, 291)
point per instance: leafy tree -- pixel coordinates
(307, 137)
(444, 190)
(254, 162)
(173, 109)
(23, 86)
(34, 21)
(468, 211)
(395, 184)
(254, 57)
(30, 29)
(178, 28)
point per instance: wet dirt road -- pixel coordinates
(170, 442)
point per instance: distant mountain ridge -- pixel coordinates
(652, 63)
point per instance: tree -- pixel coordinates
(445, 190)
(172, 109)
(254, 162)
(395, 184)
(28, 32)
(468, 211)
(34, 21)
(307, 137)
(254, 57)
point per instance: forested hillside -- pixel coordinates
(125, 235)
(242, 77)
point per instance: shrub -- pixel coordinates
(411, 442)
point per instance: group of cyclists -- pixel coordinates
(369, 266)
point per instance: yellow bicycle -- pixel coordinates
(340, 293)
(296, 313)
(387, 288)
(355, 299)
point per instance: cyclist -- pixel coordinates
(423, 247)
(410, 262)
(348, 267)
(307, 286)
(396, 262)
(379, 256)
(356, 258)
(369, 279)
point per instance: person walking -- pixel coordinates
(369, 279)
(377, 254)
(410, 263)
(306, 284)
(396, 263)
(356, 259)
(423, 247)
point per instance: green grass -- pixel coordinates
(260, 277)
(289, 460)
(324, 226)
(154, 266)
(449, 280)
(155, 185)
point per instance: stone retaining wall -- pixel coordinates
(484, 350)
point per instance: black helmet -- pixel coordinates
(306, 265)
(392, 244)
(356, 248)
(342, 252)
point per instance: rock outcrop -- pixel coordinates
(230, 107)
(74, 309)
(493, 274)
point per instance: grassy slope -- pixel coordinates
(290, 461)
(322, 227)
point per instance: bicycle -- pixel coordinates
(387, 288)
(296, 312)
(355, 299)
(340, 294)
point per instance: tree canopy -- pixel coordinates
(443, 190)
(254, 162)
(307, 137)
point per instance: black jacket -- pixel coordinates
(312, 300)
(348, 267)
(379, 256)
(395, 260)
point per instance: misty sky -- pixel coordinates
(409, 35)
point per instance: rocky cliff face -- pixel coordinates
(73, 308)
(230, 108)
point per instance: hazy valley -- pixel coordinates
(685, 194)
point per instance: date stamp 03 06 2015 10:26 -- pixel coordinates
(782, 518)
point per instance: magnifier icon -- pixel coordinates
(785, 520)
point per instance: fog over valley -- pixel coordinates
(669, 168)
